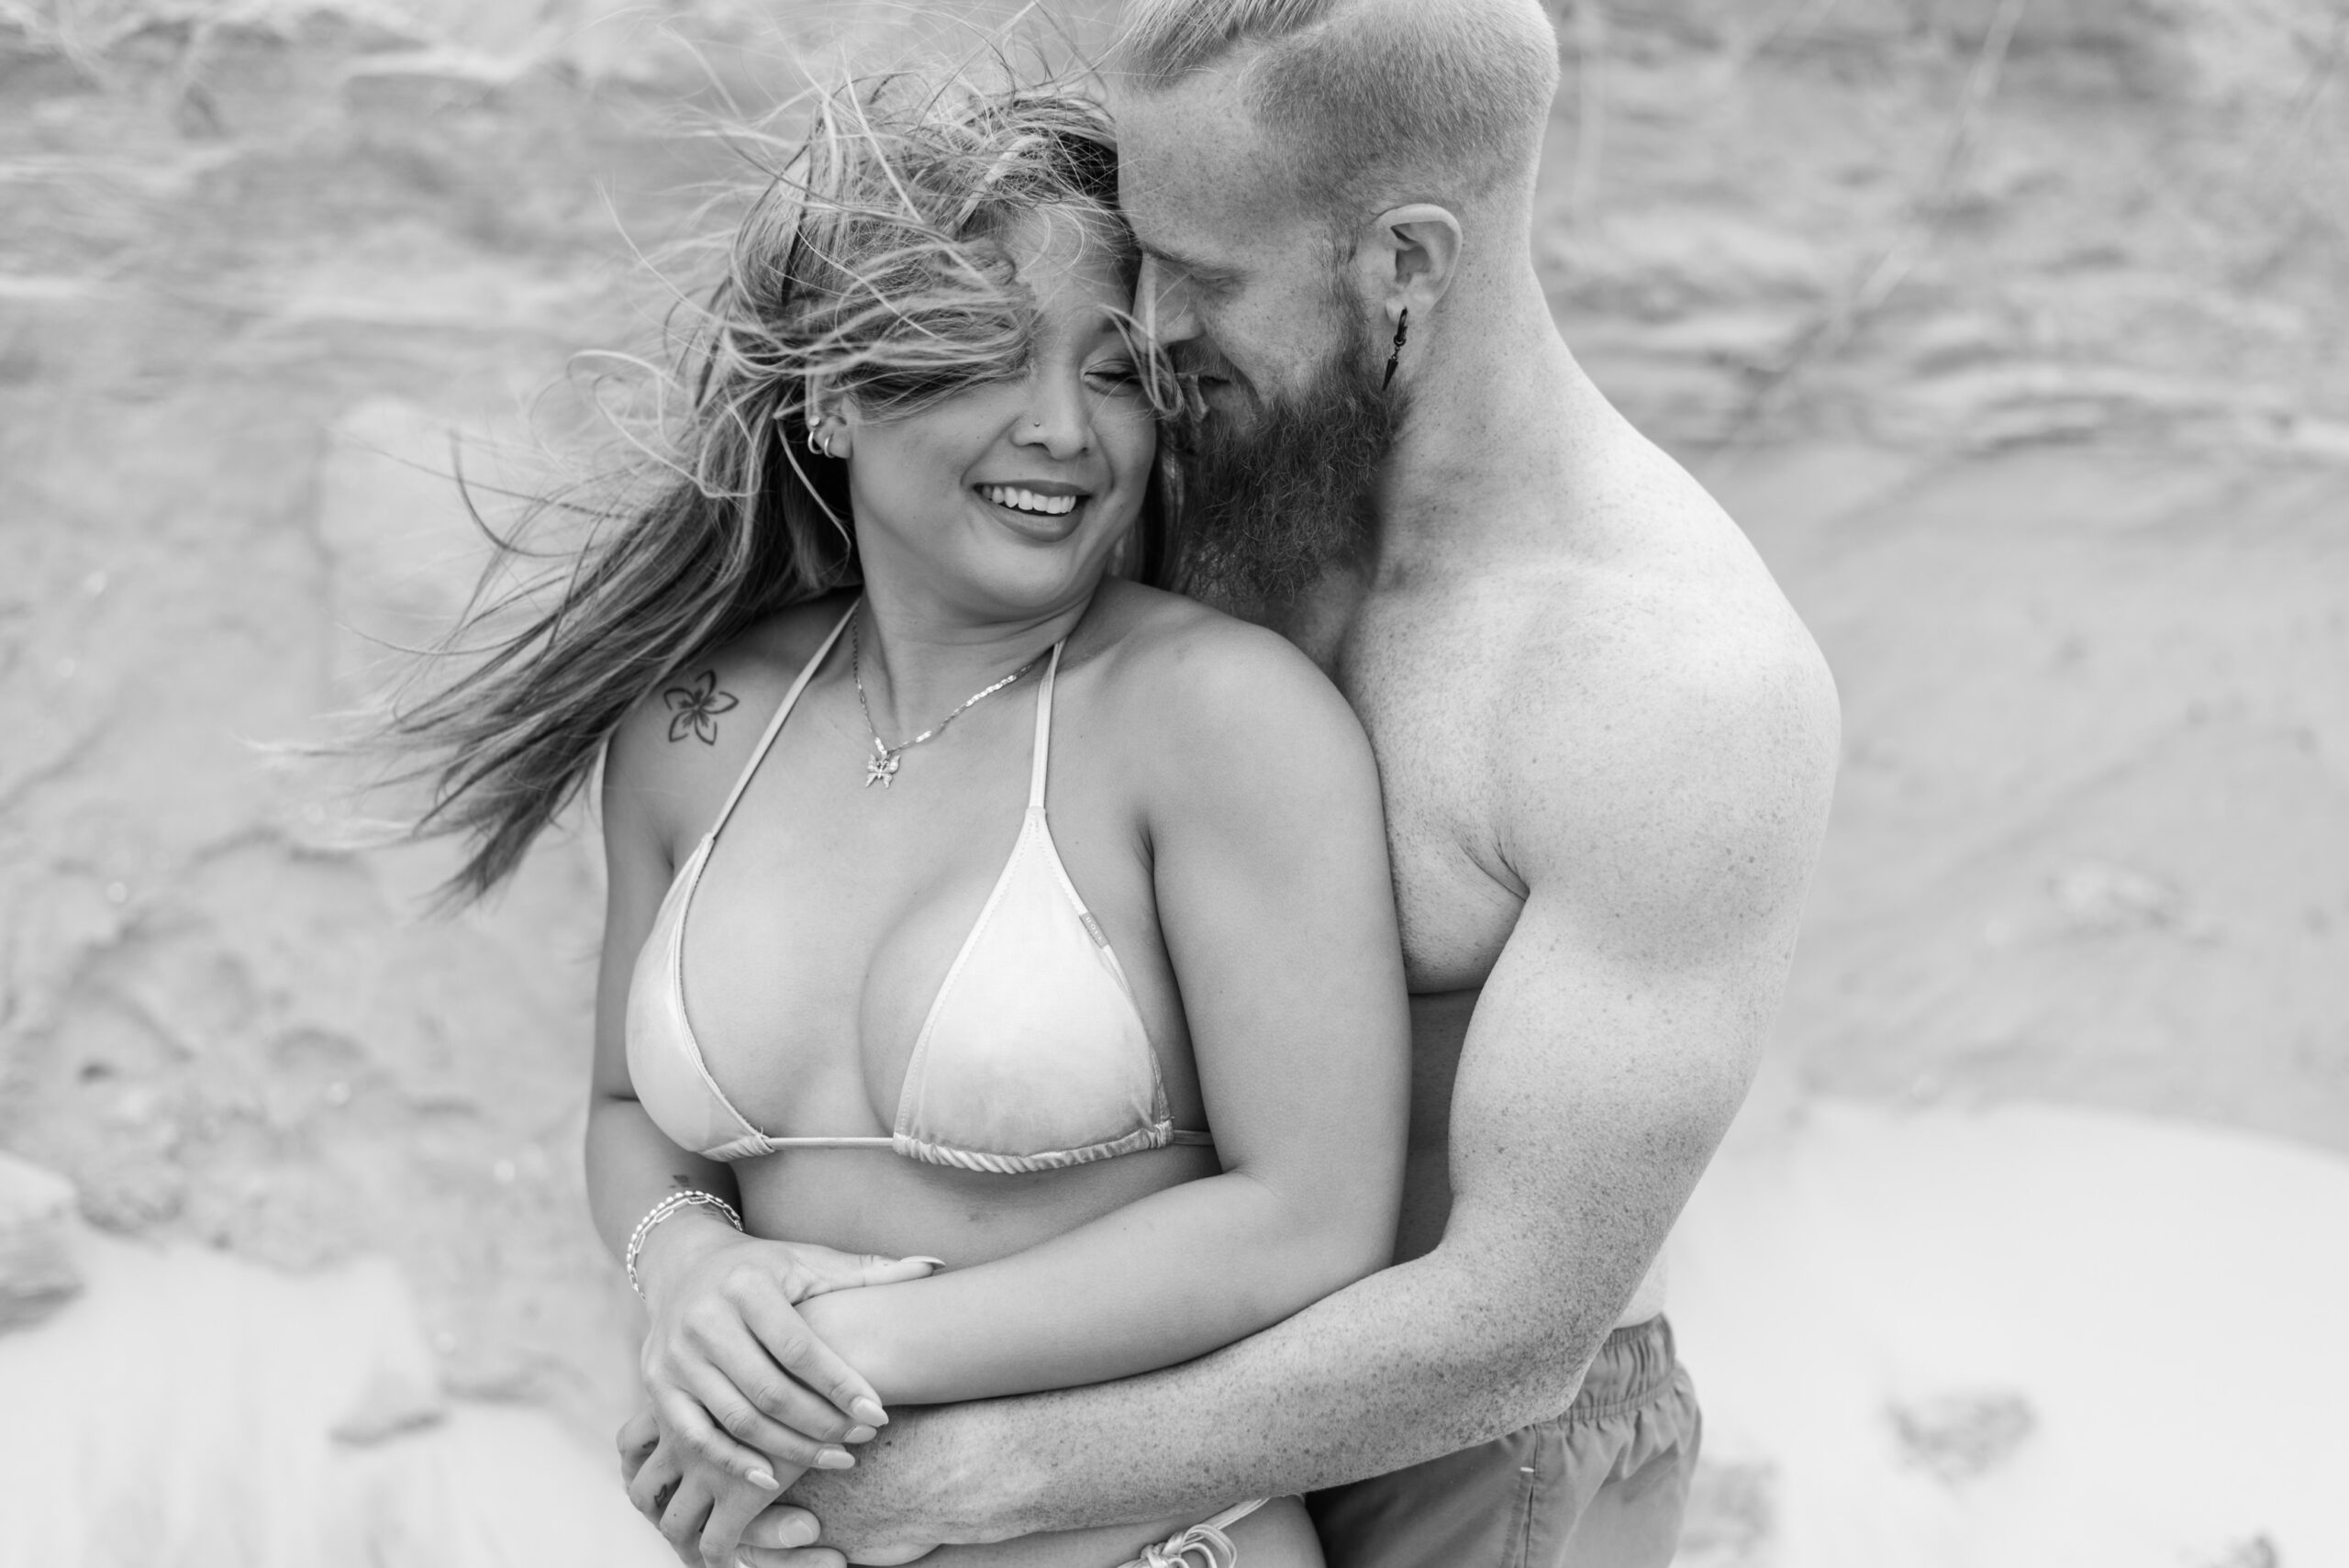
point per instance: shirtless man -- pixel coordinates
(1606, 746)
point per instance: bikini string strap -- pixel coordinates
(1043, 730)
(775, 724)
(1201, 1546)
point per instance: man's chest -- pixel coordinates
(1420, 681)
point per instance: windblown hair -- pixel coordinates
(1372, 101)
(874, 266)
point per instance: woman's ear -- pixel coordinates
(830, 419)
(830, 431)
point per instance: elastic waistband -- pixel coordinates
(1633, 1367)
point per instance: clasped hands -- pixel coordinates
(744, 1399)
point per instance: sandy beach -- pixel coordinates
(2012, 335)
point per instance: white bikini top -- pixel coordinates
(1033, 1054)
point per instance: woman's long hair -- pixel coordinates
(873, 268)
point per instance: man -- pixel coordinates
(1606, 746)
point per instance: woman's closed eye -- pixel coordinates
(1114, 377)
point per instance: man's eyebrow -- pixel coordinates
(1205, 272)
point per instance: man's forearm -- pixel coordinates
(1411, 1362)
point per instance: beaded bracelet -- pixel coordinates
(662, 1210)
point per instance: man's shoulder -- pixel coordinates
(1668, 728)
(1645, 645)
(1638, 602)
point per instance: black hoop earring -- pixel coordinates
(1402, 330)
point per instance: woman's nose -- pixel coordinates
(1059, 417)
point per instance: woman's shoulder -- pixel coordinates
(1195, 684)
(1169, 646)
(686, 740)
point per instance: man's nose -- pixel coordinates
(1162, 301)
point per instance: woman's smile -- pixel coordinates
(1008, 495)
(1044, 510)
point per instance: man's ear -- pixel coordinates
(1412, 255)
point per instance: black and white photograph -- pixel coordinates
(1173, 784)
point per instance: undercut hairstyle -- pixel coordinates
(871, 263)
(1372, 102)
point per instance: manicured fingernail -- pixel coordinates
(869, 1411)
(859, 1435)
(834, 1459)
(800, 1531)
(762, 1479)
(933, 1262)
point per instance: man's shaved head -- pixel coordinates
(1370, 102)
(1306, 178)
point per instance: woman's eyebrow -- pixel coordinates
(1109, 325)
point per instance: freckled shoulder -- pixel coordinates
(679, 750)
(1672, 734)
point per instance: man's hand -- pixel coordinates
(906, 1473)
(782, 1522)
(777, 1535)
(700, 1509)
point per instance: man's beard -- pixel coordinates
(1268, 506)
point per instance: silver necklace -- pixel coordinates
(881, 766)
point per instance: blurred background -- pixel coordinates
(2012, 331)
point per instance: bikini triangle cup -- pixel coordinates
(1032, 1056)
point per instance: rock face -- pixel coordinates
(1991, 1338)
(2044, 441)
(197, 1409)
(37, 1273)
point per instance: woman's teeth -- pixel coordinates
(1020, 500)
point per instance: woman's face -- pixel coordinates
(1006, 500)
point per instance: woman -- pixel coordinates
(969, 904)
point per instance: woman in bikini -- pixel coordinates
(1000, 986)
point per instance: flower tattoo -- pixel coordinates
(694, 709)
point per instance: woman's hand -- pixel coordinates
(735, 1376)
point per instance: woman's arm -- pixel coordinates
(630, 1164)
(720, 1303)
(1271, 874)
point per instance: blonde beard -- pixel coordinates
(1269, 507)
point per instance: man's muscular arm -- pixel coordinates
(1663, 839)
